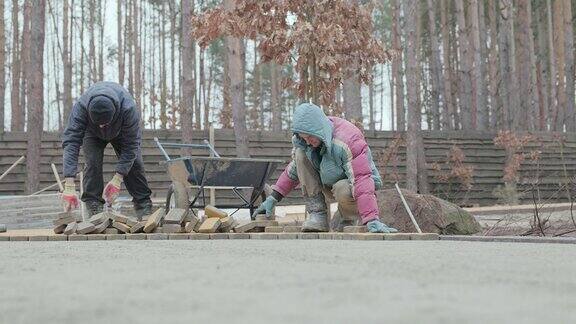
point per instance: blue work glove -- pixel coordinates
(376, 226)
(268, 206)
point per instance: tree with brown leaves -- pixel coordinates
(327, 40)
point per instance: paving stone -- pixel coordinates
(115, 237)
(171, 228)
(121, 227)
(274, 229)
(158, 229)
(325, 236)
(100, 228)
(131, 221)
(65, 220)
(238, 236)
(263, 217)
(189, 228)
(138, 236)
(397, 237)
(58, 238)
(257, 230)
(292, 229)
(219, 236)
(355, 229)
(370, 236)
(157, 236)
(266, 223)
(199, 236)
(99, 218)
(77, 237)
(154, 220)
(227, 223)
(179, 236)
(213, 212)
(85, 228)
(71, 228)
(287, 236)
(18, 238)
(97, 237)
(57, 230)
(264, 236)
(138, 227)
(32, 238)
(120, 218)
(308, 236)
(351, 236)
(210, 225)
(424, 236)
(3, 228)
(175, 216)
(111, 230)
(338, 236)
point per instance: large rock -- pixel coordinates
(432, 214)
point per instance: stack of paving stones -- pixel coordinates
(180, 224)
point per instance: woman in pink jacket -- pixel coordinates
(330, 159)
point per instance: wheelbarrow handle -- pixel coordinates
(162, 149)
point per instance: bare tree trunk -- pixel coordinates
(542, 72)
(435, 68)
(2, 67)
(92, 41)
(129, 40)
(559, 44)
(511, 98)
(121, 68)
(25, 57)
(137, 55)
(226, 112)
(412, 79)
(467, 105)
(569, 66)
(397, 70)
(36, 95)
(494, 76)
(235, 58)
(353, 98)
(448, 111)
(274, 97)
(101, 18)
(479, 109)
(525, 63)
(82, 59)
(15, 88)
(202, 85)
(187, 76)
(174, 105)
(553, 105)
(371, 124)
(67, 90)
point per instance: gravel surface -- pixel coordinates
(286, 282)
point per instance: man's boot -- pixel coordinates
(143, 209)
(317, 214)
(94, 207)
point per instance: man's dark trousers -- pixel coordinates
(135, 180)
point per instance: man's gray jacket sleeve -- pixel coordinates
(130, 137)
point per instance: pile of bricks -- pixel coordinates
(103, 223)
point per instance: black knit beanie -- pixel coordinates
(101, 109)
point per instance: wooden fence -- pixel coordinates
(487, 161)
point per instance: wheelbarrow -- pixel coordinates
(245, 177)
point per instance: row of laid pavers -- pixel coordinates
(225, 236)
(510, 239)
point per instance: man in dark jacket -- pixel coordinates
(105, 113)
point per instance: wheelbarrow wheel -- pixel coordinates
(177, 196)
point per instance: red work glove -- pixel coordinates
(70, 199)
(112, 189)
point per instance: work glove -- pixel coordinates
(268, 206)
(112, 189)
(70, 199)
(376, 226)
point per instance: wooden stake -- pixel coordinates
(12, 167)
(57, 176)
